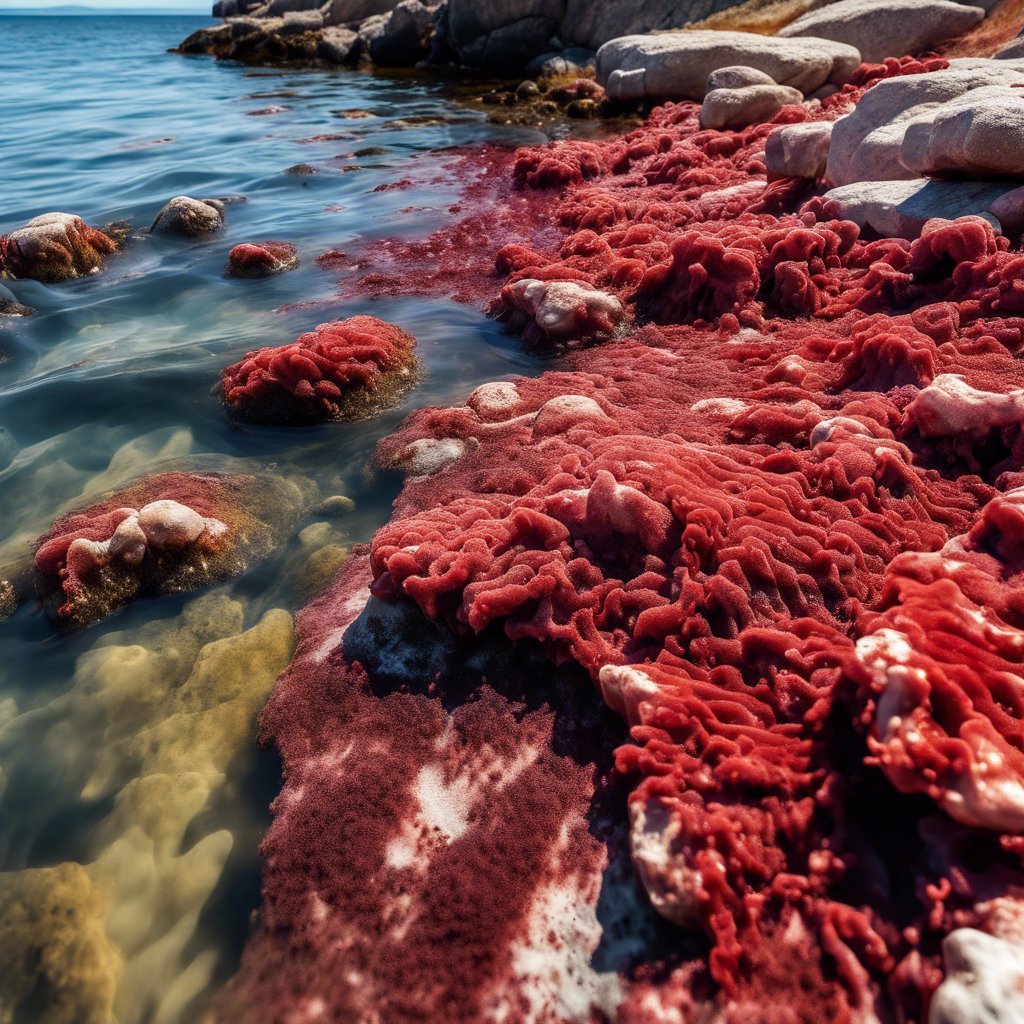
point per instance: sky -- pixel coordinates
(199, 6)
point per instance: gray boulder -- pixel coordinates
(348, 12)
(677, 65)
(276, 8)
(901, 208)
(736, 77)
(406, 36)
(371, 30)
(501, 35)
(1013, 50)
(573, 61)
(984, 981)
(337, 45)
(749, 104)
(189, 218)
(980, 134)
(798, 150)
(867, 144)
(296, 22)
(592, 23)
(888, 29)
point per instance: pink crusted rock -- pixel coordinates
(170, 532)
(189, 218)
(341, 370)
(551, 312)
(261, 259)
(54, 247)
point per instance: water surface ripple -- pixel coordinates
(130, 784)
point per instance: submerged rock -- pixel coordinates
(887, 29)
(10, 306)
(342, 370)
(53, 248)
(677, 65)
(262, 259)
(189, 218)
(167, 533)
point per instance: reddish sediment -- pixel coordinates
(775, 529)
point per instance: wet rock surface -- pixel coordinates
(342, 370)
(53, 248)
(189, 218)
(677, 65)
(890, 29)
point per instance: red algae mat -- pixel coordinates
(685, 683)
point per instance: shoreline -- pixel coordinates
(684, 679)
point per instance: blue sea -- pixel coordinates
(132, 792)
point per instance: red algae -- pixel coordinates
(775, 529)
(342, 370)
(54, 247)
(166, 533)
(261, 259)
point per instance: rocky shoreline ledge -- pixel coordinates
(767, 508)
(686, 682)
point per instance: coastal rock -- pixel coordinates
(900, 209)
(592, 23)
(572, 61)
(736, 77)
(677, 65)
(10, 306)
(888, 29)
(867, 144)
(167, 533)
(371, 30)
(337, 45)
(501, 35)
(406, 35)
(52, 248)
(189, 218)
(261, 259)
(342, 370)
(1013, 50)
(277, 8)
(297, 22)
(984, 981)
(560, 311)
(349, 12)
(749, 104)
(798, 150)
(980, 134)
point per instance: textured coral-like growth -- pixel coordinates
(777, 530)
(341, 370)
(166, 533)
(940, 666)
(261, 259)
(54, 247)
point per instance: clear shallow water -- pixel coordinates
(132, 796)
